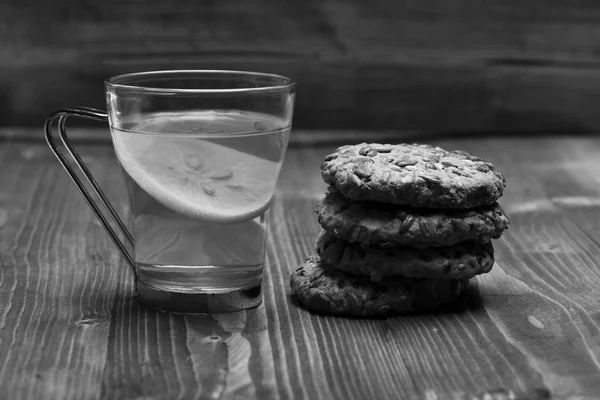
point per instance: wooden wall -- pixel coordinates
(413, 65)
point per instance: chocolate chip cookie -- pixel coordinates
(415, 175)
(325, 290)
(461, 261)
(388, 225)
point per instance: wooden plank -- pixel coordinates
(70, 326)
(479, 96)
(55, 314)
(546, 255)
(459, 65)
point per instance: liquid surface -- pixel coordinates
(201, 184)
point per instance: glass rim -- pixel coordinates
(120, 81)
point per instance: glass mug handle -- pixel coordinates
(90, 113)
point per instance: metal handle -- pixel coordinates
(86, 112)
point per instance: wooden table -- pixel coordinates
(70, 326)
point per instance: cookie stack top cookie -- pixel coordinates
(415, 175)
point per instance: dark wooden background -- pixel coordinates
(427, 66)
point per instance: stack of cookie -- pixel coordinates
(404, 229)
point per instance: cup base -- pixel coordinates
(243, 299)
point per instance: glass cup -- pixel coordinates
(200, 153)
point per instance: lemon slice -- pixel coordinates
(198, 178)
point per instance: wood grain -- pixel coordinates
(432, 67)
(71, 328)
